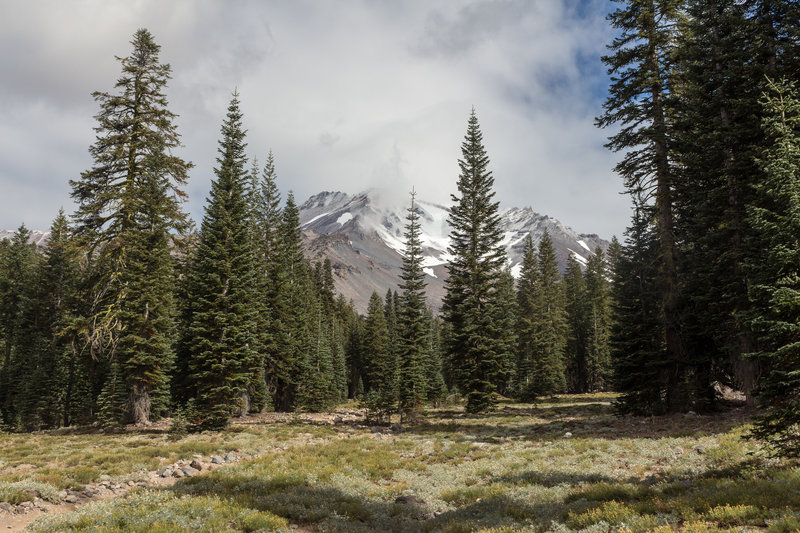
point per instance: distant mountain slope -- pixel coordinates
(362, 235)
(37, 237)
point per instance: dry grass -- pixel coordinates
(511, 470)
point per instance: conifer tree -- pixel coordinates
(641, 371)
(503, 329)
(338, 381)
(474, 274)
(549, 322)
(380, 366)
(729, 50)
(222, 332)
(267, 214)
(316, 367)
(640, 66)
(436, 388)
(525, 387)
(597, 300)
(20, 260)
(411, 324)
(577, 327)
(775, 275)
(133, 161)
(292, 315)
(44, 339)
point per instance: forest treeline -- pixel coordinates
(128, 315)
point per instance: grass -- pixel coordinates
(510, 470)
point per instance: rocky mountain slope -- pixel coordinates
(362, 235)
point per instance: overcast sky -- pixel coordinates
(347, 94)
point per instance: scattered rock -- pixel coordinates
(26, 505)
(691, 414)
(217, 460)
(409, 498)
(105, 477)
(5, 506)
(35, 493)
(700, 449)
(163, 473)
(567, 435)
(196, 465)
(678, 450)
(72, 498)
(177, 473)
(188, 471)
(230, 456)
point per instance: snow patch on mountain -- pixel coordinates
(364, 236)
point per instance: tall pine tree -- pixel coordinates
(640, 66)
(134, 186)
(775, 276)
(412, 325)
(222, 358)
(474, 273)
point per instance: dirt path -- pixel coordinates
(22, 517)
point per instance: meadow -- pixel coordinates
(565, 464)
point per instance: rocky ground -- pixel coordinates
(16, 517)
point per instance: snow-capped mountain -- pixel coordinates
(362, 235)
(37, 237)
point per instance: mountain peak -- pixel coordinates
(363, 236)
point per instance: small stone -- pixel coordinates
(230, 456)
(35, 493)
(72, 498)
(26, 505)
(678, 450)
(161, 473)
(691, 414)
(131, 483)
(217, 460)
(196, 465)
(178, 473)
(567, 435)
(700, 449)
(105, 477)
(5, 506)
(188, 471)
(197, 456)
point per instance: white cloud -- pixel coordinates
(347, 95)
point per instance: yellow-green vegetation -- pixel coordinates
(150, 511)
(511, 470)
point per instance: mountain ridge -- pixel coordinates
(362, 235)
